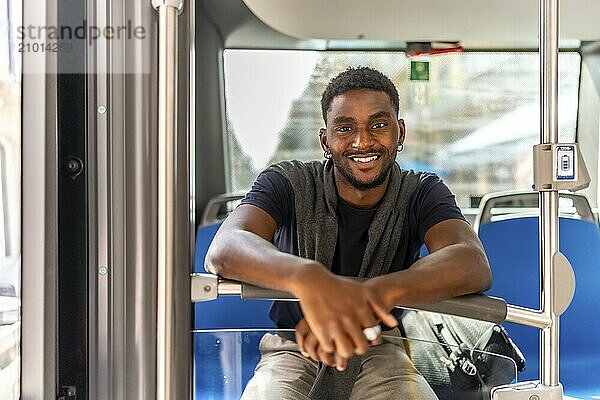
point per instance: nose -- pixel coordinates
(362, 139)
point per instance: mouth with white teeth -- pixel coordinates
(363, 159)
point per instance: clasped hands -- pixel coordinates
(339, 316)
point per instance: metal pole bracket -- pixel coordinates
(527, 390)
(559, 166)
(178, 4)
(204, 287)
(563, 281)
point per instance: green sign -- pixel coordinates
(419, 70)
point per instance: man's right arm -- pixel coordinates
(242, 250)
(335, 308)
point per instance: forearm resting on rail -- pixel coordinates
(245, 256)
(336, 318)
(452, 271)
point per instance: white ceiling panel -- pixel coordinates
(489, 21)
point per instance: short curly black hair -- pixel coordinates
(358, 78)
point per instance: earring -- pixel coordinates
(400, 147)
(327, 155)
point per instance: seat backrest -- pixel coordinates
(508, 205)
(512, 247)
(225, 312)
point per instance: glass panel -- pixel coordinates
(224, 362)
(10, 201)
(473, 123)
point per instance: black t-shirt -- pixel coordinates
(431, 203)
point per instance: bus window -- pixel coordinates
(10, 202)
(473, 122)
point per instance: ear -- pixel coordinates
(323, 139)
(402, 132)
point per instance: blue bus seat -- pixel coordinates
(512, 247)
(225, 312)
(211, 373)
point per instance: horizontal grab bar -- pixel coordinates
(206, 287)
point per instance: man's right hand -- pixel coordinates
(337, 309)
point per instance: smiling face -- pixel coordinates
(362, 136)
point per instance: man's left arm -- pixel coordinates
(456, 265)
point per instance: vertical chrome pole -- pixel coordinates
(548, 199)
(39, 205)
(167, 211)
(166, 144)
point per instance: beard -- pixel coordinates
(342, 164)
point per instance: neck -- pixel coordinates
(359, 198)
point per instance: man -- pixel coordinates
(304, 226)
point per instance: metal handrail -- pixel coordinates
(548, 222)
(206, 287)
(167, 190)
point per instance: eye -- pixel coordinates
(379, 125)
(343, 129)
